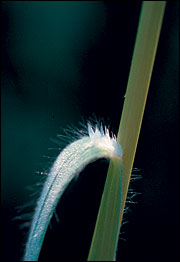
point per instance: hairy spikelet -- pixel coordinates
(92, 144)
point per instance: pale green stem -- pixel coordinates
(106, 233)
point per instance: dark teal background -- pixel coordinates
(67, 61)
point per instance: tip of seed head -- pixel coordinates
(102, 139)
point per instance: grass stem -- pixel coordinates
(106, 233)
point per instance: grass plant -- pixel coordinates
(105, 238)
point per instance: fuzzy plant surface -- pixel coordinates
(97, 143)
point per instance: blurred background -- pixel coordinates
(64, 62)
